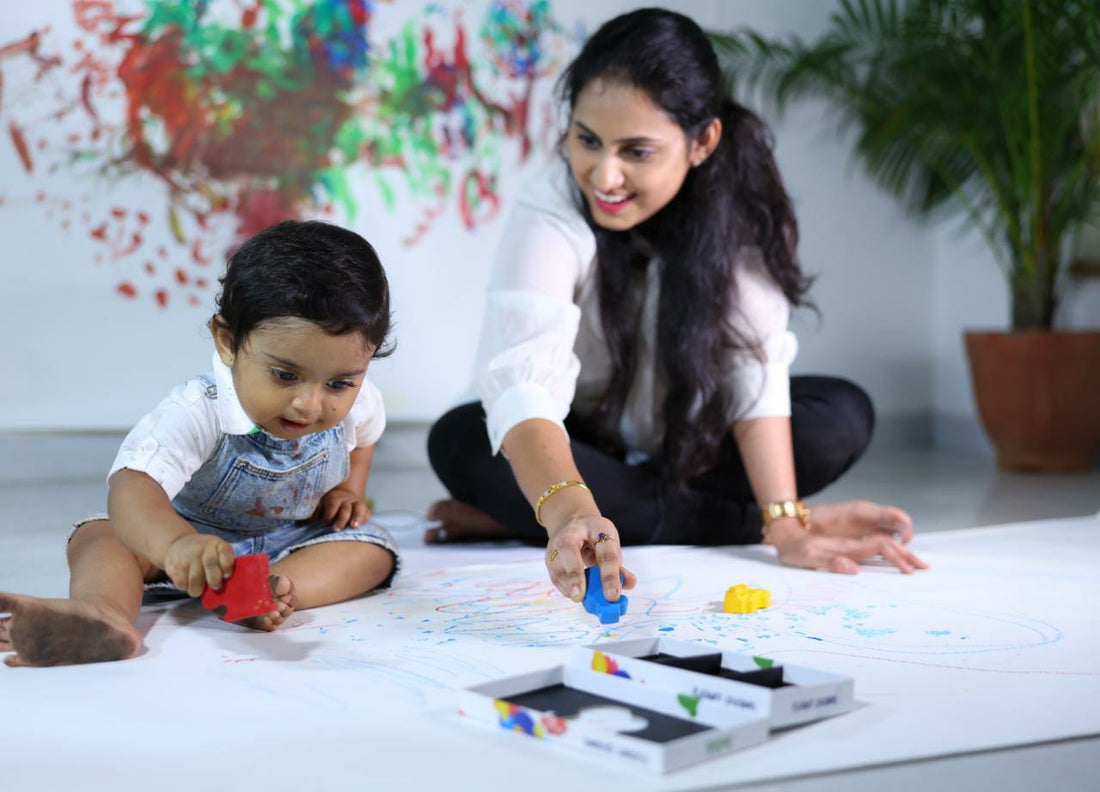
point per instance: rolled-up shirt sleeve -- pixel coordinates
(172, 442)
(526, 367)
(760, 378)
(367, 418)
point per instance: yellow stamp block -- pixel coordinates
(744, 599)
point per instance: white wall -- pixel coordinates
(874, 267)
(893, 294)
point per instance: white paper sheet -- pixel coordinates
(995, 645)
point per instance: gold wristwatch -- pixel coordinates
(788, 508)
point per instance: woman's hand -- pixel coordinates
(843, 534)
(583, 542)
(342, 507)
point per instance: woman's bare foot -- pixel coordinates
(282, 590)
(463, 523)
(55, 632)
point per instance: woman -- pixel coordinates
(634, 361)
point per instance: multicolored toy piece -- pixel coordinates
(595, 602)
(744, 599)
(246, 593)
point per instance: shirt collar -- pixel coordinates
(234, 419)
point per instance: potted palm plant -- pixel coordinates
(988, 110)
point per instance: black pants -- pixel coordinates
(831, 423)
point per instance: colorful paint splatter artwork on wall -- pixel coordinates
(225, 116)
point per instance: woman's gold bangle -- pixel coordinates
(550, 491)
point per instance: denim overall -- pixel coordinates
(259, 492)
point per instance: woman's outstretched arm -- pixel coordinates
(839, 535)
(578, 536)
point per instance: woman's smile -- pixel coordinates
(610, 203)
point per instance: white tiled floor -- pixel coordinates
(47, 481)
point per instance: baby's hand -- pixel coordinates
(343, 507)
(195, 561)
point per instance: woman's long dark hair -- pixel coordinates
(733, 201)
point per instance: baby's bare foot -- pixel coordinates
(54, 632)
(463, 523)
(282, 590)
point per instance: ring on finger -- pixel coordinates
(603, 537)
(553, 555)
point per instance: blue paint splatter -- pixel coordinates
(665, 629)
(868, 632)
(938, 632)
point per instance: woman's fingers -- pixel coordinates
(843, 565)
(867, 516)
(566, 567)
(892, 552)
(896, 523)
(609, 559)
(583, 544)
(853, 551)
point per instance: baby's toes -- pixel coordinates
(282, 589)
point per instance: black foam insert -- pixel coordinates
(712, 664)
(567, 702)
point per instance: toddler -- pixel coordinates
(268, 453)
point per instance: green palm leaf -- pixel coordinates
(991, 107)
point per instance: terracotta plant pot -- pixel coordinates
(1038, 396)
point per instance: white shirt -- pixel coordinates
(542, 349)
(182, 432)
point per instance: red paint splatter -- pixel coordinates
(86, 97)
(127, 289)
(21, 147)
(150, 268)
(477, 194)
(99, 232)
(90, 14)
(258, 510)
(249, 17)
(162, 298)
(260, 209)
(181, 277)
(197, 255)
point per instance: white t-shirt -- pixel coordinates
(542, 349)
(182, 432)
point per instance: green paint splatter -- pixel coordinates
(763, 662)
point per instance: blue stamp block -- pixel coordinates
(595, 602)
